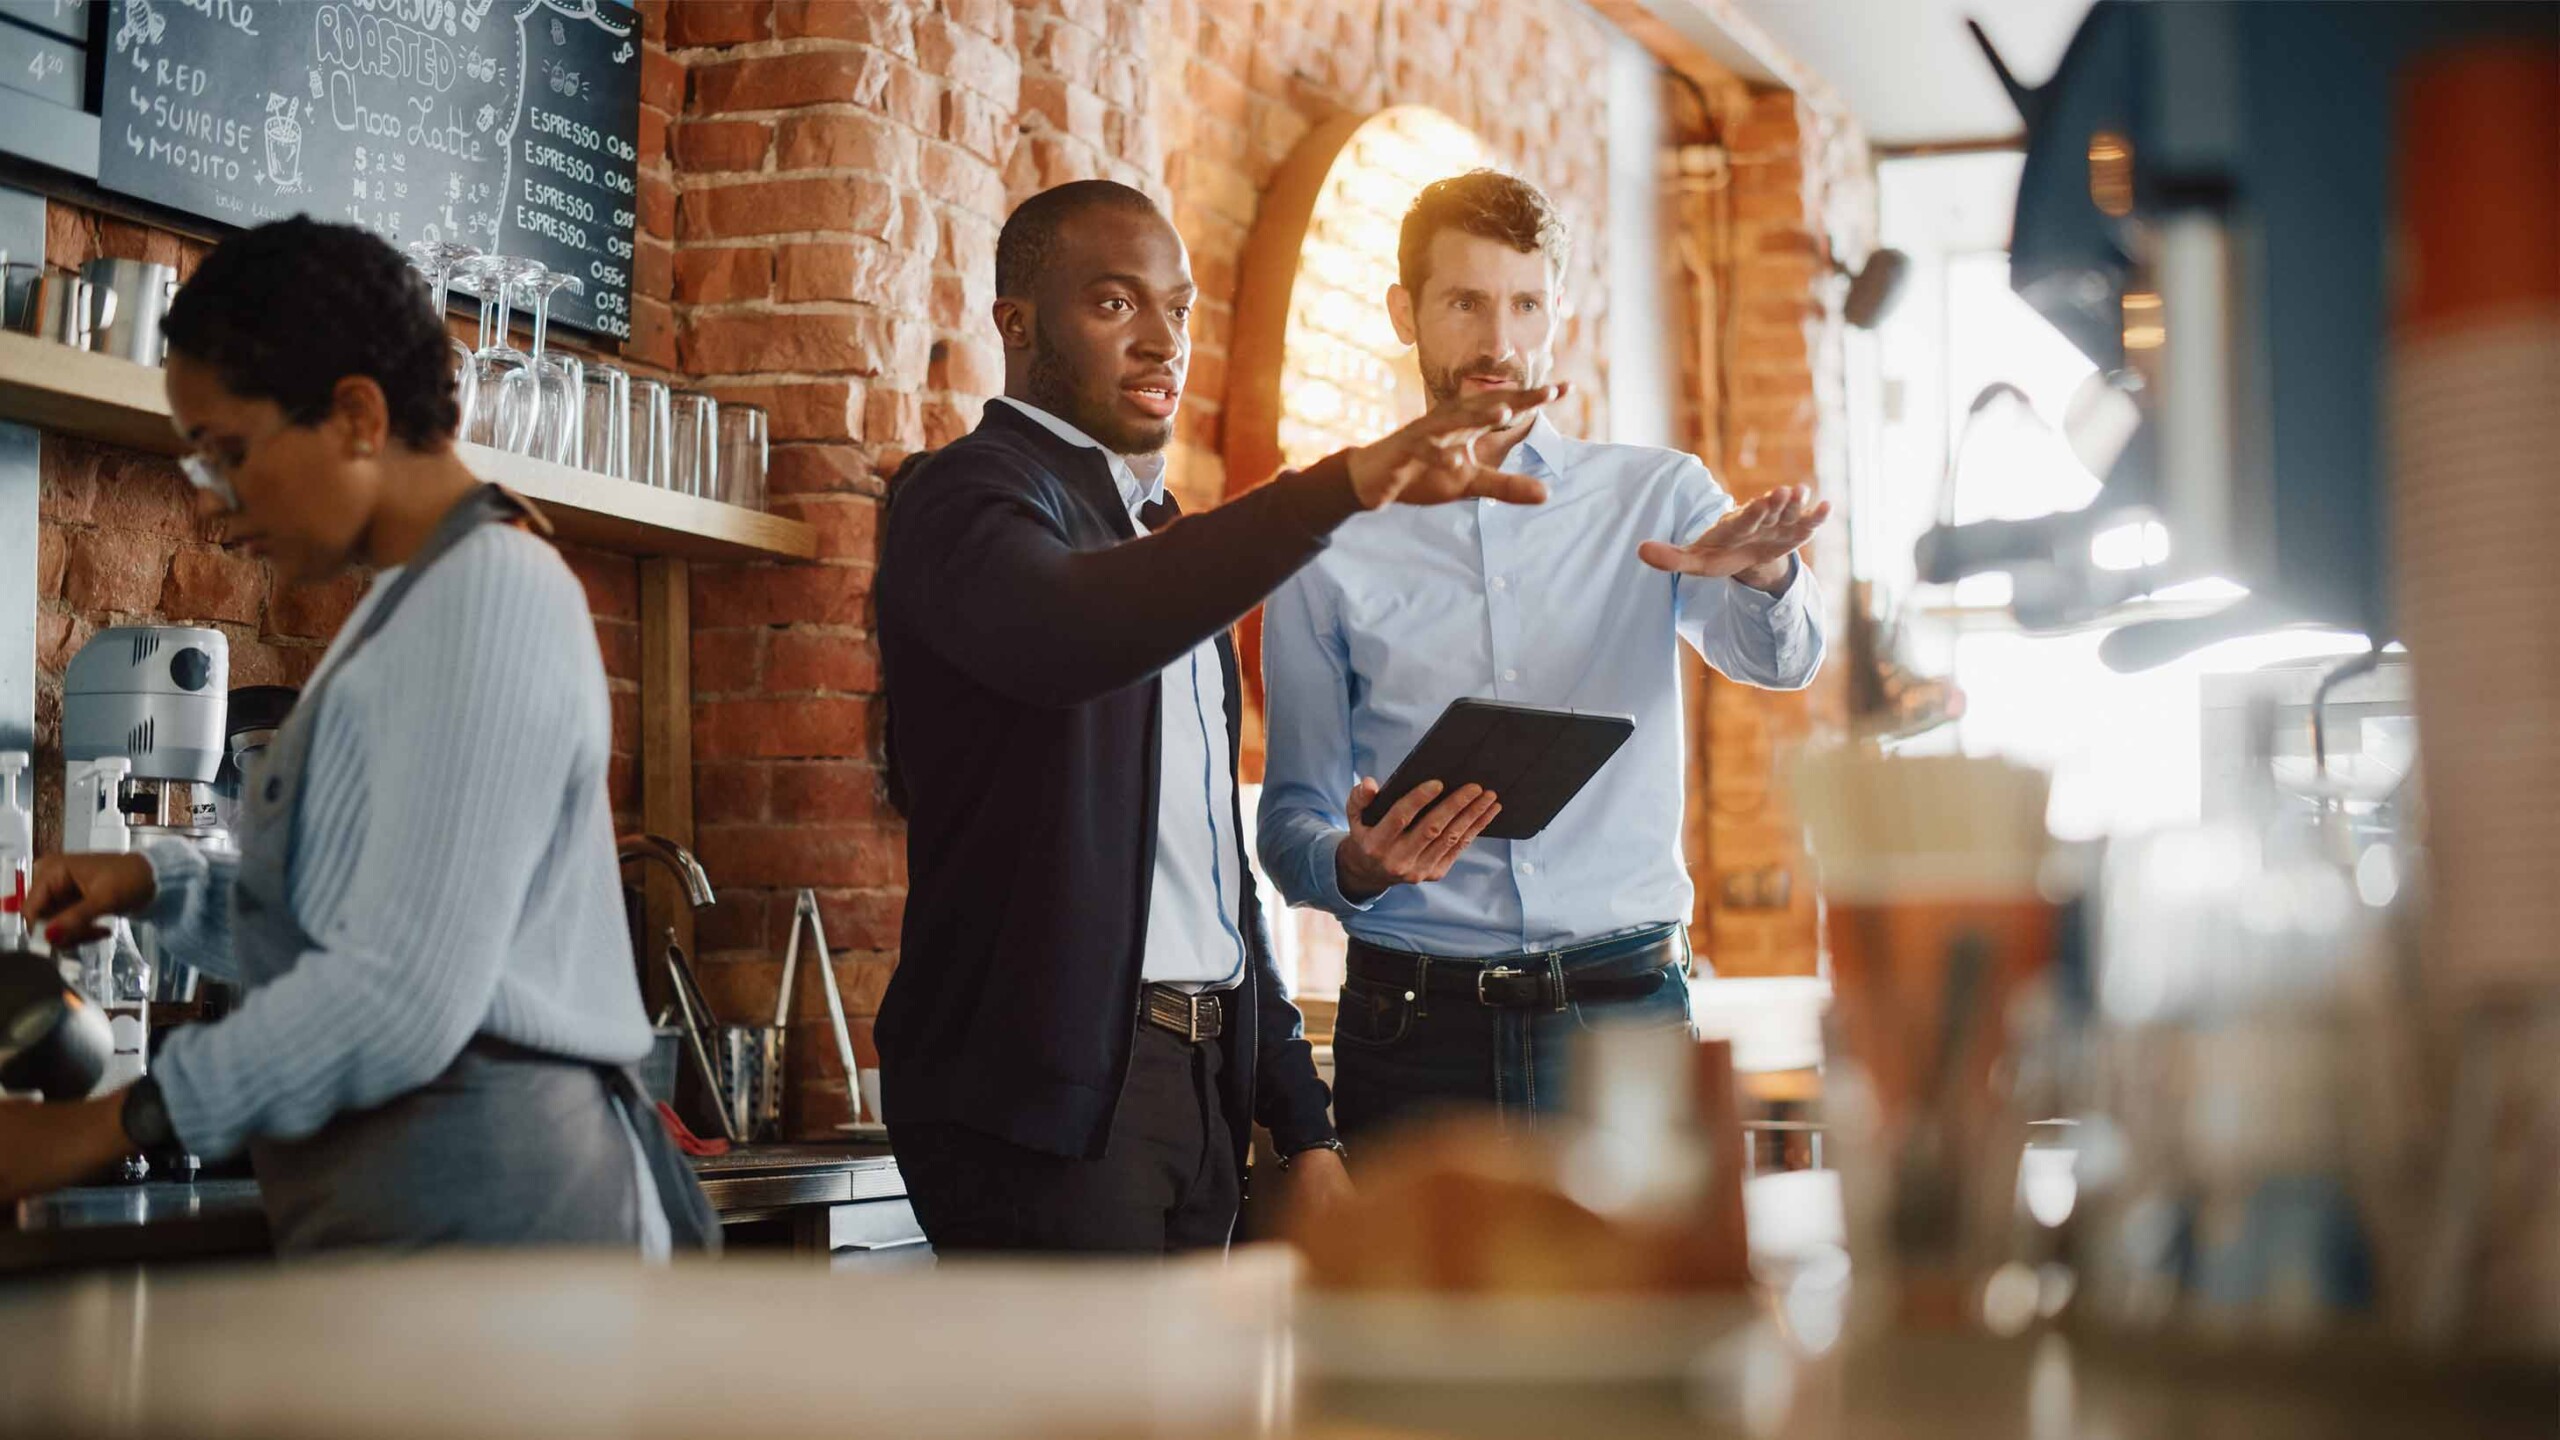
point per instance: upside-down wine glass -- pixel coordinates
(436, 259)
(560, 376)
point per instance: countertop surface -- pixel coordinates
(551, 1346)
(160, 1220)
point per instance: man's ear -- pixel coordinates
(1015, 322)
(1400, 313)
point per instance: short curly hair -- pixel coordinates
(1030, 233)
(287, 310)
(1480, 202)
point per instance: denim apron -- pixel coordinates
(509, 1146)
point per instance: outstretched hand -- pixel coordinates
(1751, 543)
(1433, 460)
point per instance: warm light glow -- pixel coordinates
(1345, 379)
(2111, 173)
(2143, 323)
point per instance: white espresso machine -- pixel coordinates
(142, 735)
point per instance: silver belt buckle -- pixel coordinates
(1494, 972)
(1188, 1007)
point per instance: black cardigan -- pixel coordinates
(1022, 623)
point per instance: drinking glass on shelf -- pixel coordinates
(604, 426)
(436, 259)
(697, 444)
(559, 376)
(653, 446)
(509, 405)
(744, 441)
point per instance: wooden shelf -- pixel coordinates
(100, 397)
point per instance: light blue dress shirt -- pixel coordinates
(1412, 608)
(1198, 890)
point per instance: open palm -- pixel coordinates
(1747, 538)
(1434, 460)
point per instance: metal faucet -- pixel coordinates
(678, 860)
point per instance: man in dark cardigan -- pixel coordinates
(1084, 1024)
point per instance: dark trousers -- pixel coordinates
(1398, 1059)
(1167, 1181)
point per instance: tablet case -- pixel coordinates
(1536, 760)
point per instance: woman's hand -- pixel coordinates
(72, 896)
(45, 1147)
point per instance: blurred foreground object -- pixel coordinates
(1640, 1193)
(1938, 930)
(2475, 374)
(1609, 1246)
(2207, 211)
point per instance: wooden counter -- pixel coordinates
(552, 1346)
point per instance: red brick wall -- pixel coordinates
(1799, 187)
(840, 171)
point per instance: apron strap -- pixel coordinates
(691, 1222)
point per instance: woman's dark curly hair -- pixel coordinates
(287, 310)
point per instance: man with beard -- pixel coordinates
(1474, 963)
(1084, 1023)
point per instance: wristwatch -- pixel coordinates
(1292, 1157)
(145, 1116)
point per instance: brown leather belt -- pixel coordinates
(1195, 1015)
(1622, 967)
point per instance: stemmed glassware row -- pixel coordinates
(551, 405)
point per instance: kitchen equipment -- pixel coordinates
(700, 1026)
(653, 455)
(804, 912)
(53, 1040)
(17, 842)
(57, 305)
(604, 430)
(129, 297)
(1933, 868)
(696, 444)
(142, 726)
(744, 438)
(751, 1079)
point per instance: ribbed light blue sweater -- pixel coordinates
(455, 865)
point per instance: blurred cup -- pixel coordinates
(1931, 867)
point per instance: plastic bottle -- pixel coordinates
(17, 844)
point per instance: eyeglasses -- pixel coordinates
(211, 473)
(211, 476)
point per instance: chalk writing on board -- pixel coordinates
(503, 124)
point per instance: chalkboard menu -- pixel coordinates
(503, 124)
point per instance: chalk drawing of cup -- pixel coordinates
(284, 152)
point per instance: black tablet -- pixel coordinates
(1534, 760)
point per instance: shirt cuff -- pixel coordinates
(1328, 878)
(1761, 602)
(178, 872)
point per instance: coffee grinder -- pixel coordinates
(142, 731)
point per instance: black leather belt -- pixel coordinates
(1630, 967)
(1195, 1015)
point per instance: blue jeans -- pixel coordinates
(1401, 1054)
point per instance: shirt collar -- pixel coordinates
(1140, 478)
(1545, 450)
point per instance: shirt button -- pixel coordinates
(1501, 582)
(1510, 674)
(1527, 868)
